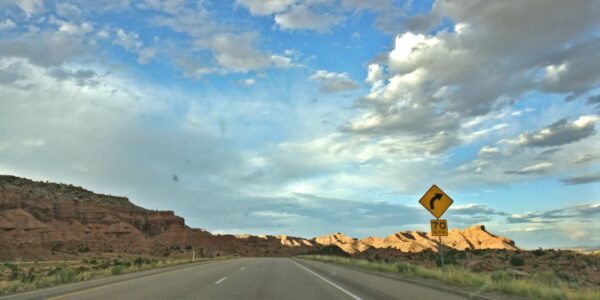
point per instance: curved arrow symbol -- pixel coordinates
(437, 197)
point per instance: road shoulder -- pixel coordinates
(428, 283)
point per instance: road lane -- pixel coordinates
(171, 285)
(257, 278)
(270, 278)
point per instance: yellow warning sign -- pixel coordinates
(436, 201)
(439, 227)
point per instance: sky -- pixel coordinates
(308, 117)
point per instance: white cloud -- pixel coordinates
(31, 7)
(7, 24)
(559, 133)
(303, 17)
(131, 42)
(375, 74)
(50, 47)
(533, 169)
(68, 10)
(236, 51)
(489, 151)
(388, 13)
(128, 40)
(280, 61)
(317, 15)
(266, 7)
(330, 82)
(146, 54)
(437, 83)
(249, 81)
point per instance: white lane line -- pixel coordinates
(220, 280)
(242, 268)
(325, 279)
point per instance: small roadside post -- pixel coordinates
(437, 202)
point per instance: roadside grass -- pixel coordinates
(543, 285)
(18, 276)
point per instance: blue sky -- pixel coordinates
(306, 117)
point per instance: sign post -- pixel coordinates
(437, 202)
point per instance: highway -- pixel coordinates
(244, 278)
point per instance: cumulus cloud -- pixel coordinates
(231, 51)
(82, 77)
(389, 16)
(296, 14)
(236, 51)
(50, 47)
(265, 7)
(111, 155)
(68, 10)
(323, 15)
(330, 82)
(559, 133)
(303, 17)
(437, 82)
(130, 41)
(31, 7)
(7, 24)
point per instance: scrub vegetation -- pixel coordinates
(542, 285)
(21, 276)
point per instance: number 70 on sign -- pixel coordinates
(439, 228)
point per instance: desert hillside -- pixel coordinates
(40, 220)
(474, 237)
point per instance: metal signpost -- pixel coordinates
(437, 202)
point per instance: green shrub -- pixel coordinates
(116, 270)
(516, 261)
(64, 275)
(405, 268)
(449, 259)
(500, 276)
(538, 252)
(548, 278)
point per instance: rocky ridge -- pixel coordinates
(40, 220)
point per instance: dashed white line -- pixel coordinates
(325, 279)
(220, 280)
(242, 268)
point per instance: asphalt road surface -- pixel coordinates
(245, 278)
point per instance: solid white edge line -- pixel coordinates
(326, 280)
(220, 280)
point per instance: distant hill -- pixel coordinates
(474, 237)
(40, 220)
(585, 249)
